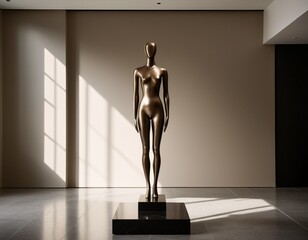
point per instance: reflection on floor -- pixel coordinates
(216, 213)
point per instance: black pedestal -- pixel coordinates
(129, 220)
(152, 204)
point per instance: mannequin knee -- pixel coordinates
(156, 150)
(145, 150)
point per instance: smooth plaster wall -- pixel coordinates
(221, 84)
(34, 102)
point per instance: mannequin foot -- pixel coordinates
(155, 193)
(148, 193)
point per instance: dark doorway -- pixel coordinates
(291, 115)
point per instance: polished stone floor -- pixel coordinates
(216, 213)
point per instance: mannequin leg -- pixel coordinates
(144, 124)
(157, 125)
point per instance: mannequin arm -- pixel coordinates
(136, 100)
(166, 98)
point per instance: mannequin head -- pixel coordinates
(150, 50)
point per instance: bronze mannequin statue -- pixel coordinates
(150, 112)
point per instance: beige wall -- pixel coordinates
(34, 88)
(221, 130)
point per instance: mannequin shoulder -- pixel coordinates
(139, 70)
(163, 71)
(160, 69)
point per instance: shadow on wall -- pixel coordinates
(221, 109)
(109, 146)
(107, 142)
(108, 154)
(104, 133)
(34, 103)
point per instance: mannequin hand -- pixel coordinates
(136, 125)
(166, 123)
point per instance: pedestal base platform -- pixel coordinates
(153, 204)
(127, 220)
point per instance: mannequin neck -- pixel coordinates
(150, 62)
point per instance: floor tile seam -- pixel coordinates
(298, 223)
(22, 227)
(233, 193)
(256, 194)
(34, 218)
(79, 217)
(260, 197)
(206, 231)
(286, 215)
(76, 221)
(283, 213)
(253, 193)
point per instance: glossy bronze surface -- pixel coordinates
(151, 112)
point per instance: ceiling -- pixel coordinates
(137, 4)
(295, 33)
